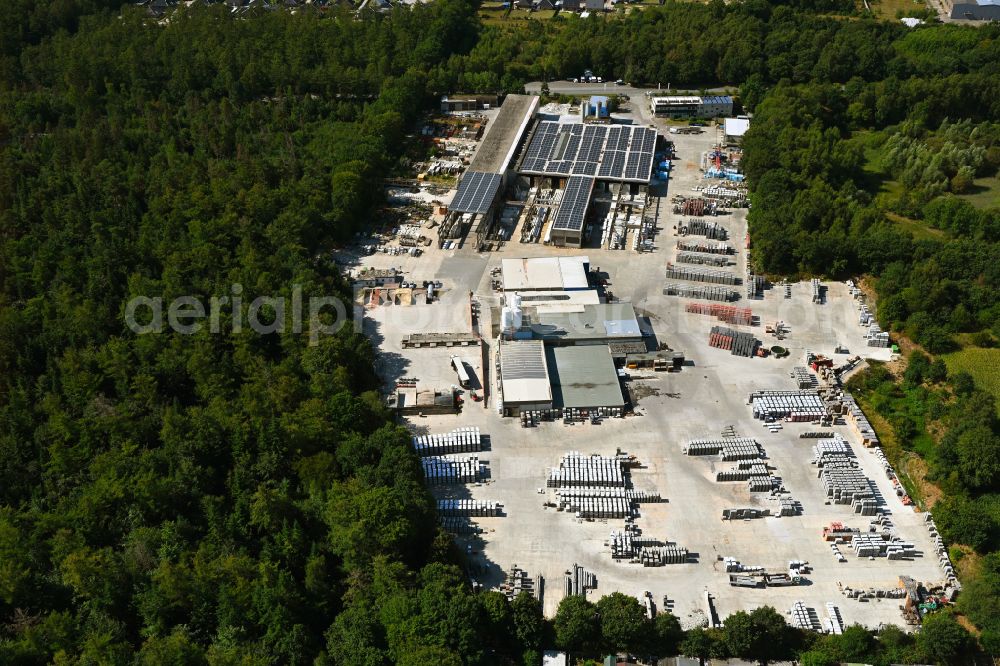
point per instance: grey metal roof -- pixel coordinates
(583, 376)
(607, 321)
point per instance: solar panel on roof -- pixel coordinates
(573, 209)
(476, 192)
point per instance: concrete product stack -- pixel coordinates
(755, 285)
(460, 440)
(692, 207)
(702, 259)
(735, 342)
(669, 554)
(578, 470)
(860, 422)
(727, 313)
(876, 337)
(732, 475)
(827, 449)
(458, 525)
(701, 275)
(710, 230)
(760, 484)
(703, 246)
(731, 448)
(788, 507)
(803, 378)
(849, 486)
(743, 514)
(519, 581)
(596, 502)
(579, 580)
(440, 470)
(817, 291)
(791, 405)
(706, 292)
(804, 617)
(867, 545)
(468, 507)
(835, 621)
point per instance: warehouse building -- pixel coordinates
(691, 106)
(524, 377)
(587, 325)
(583, 378)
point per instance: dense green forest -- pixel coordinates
(246, 499)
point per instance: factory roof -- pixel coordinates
(717, 99)
(559, 301)
(736, 126)
(677, 99)
(606, 321)
(545, 273)
(583, 377)
(500, 143)
(523, 372)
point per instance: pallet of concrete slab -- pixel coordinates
(761, 483)
(730, 314)
(733, 341)
(428, 340)
(849, 486)
(458, 525)
(658, 556)
(459, 469)
(578, 581)
(461, 440)
(469, 507)
(700, 227)
(744, 514)
(793, 405)
(578, 470)
(788, 507)
(706, 292)
(697, 258)
(701, 275)
(704, 246)
(830, 449)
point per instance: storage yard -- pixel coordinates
(584, 501)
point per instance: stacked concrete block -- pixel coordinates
(460, 440)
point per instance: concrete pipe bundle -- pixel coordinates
(702, 275)
(460, 440)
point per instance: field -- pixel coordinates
(985, 194)
(981, 364)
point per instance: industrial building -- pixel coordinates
(980, 10)
(733, 129)
(545, 274)
(524, 376)
(479, 192)
(583, 378)
(691, 106)
(464, 102)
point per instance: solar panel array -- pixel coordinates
(616, 152)
(476, 192)
(573, 209)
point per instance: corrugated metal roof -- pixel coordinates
(583, 376)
